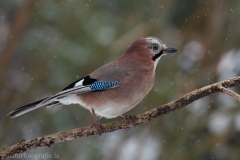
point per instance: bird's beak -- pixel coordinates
(167, 49)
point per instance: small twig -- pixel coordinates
(49, 140)
(230, 93)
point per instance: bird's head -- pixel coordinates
(157, 48)
(149, 48)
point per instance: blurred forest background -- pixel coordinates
(45, 45)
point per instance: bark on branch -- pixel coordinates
(49, 140)
(230, 93)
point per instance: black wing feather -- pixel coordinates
(87, 81)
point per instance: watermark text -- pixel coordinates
(36, 156)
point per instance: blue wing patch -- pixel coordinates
(103, 85)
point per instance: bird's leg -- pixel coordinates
(130, 118)
(97, 123)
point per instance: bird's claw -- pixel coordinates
(99, 128)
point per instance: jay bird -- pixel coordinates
(114, 88)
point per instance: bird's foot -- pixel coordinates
(97, 124)
(130, 118)
(99, 127)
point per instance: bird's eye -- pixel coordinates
(155, 47)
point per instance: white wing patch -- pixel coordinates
(80, 83)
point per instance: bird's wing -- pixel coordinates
(105, 77)
(83, 85)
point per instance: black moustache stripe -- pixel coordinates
(157, 55)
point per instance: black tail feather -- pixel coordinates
(24, 109)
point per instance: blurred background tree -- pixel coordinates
(45, 45)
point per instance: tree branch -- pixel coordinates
(49, 140)
(230, 93)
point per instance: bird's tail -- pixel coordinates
(30, 107)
